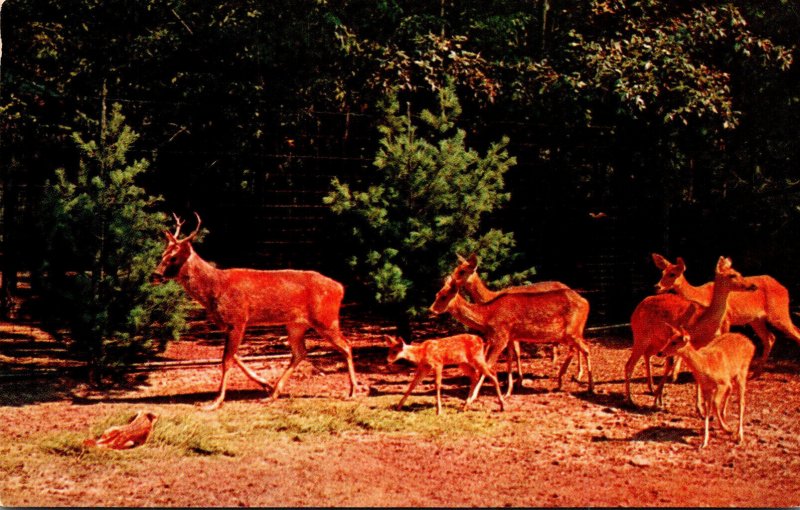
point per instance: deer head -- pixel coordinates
(396, 346)
(176, 253)
(671, 274)
(730, 278)
(465, 269)
(676, 343)
(444, 297)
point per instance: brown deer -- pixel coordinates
(770, 305)
(712, 321)
(539, 317)
(464, 350)
(650, 325)
(234, 298)
(123, 437)
(716, 367)
(466, 278)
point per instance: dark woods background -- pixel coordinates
(638, 126)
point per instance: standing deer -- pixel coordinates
(650, 325)
(557, 316)
(770, 305)
(466, 277)
(464, 350)
(234, 298)
(713, 319)
(716, 367)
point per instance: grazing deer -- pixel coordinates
(770, 305)
(650, 325)
(234, 298)
(717, 366)
(466, 278)
(464, 350)
(713, 319)
(557, 316)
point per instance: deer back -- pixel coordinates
(546, 315)
(653, 316)
(278, 296)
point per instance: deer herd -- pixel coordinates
(680, 322)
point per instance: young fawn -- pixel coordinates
(464, 350)
(770, 305)
(557, 316)
(466, 277)
(712, 320)
(234, 298)
(717, 367)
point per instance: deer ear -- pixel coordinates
(473, 261)
(723, 263)
(681, 263)
(659, 261)
(391, 341)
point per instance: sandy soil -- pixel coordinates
(571, 448)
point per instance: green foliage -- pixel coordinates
(102, 243)
(429, 199)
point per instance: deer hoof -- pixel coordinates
(213, 406)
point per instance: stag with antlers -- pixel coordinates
(235, 298)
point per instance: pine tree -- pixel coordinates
(103, 239)
(429, 199)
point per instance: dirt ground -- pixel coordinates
(567, 448)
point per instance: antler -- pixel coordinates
(180, 224)
(196, 229)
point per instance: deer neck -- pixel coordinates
(688, 291)
(468, 314)
(708, 324)
(412, 353)
(199, 279)
(477, 290)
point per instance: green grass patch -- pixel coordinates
(318, 418)
(175, 432)
(241, 427)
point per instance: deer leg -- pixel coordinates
(741, 387)
(720, 402)
(564, 366)
(705, 434)
(234, 338)
(487, 372)
(767, 340)
(438, 374)
(636, 353)
(298, 346)
(676, 371)
(579, 346)
(421, 371)
(250, 373)
(580, 368)
(699, 404)
(649, 373)
(518, 354)
(473, 378)
(658, 401)
(510, 350)
(336, 338)
(496, 346)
